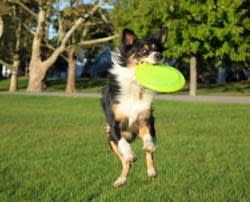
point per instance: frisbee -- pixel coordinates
(160, 77)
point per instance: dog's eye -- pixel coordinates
(144, 51)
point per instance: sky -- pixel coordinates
(105, 5)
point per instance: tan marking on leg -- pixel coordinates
(125, 167)
(150, 165)
(143, 130)
(115, 149)
(148, 144)
(142, 125)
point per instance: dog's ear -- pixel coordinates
(128, 37)
(160, 36)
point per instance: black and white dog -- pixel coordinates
(127, 105)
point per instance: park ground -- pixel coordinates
(85, 85)
(54, 149)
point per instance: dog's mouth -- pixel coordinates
(153, 58)
(153, 63)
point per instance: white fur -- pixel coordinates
(125, 150)
(148, 143)
(120, 181)
(152, 172)
(130, 103)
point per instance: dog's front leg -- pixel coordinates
(147, 133)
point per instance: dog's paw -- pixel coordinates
(149, 147)
(119, 182)
(152, 173)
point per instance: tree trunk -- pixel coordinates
(193, 76)
(71, 78)
(37, 73)
(1, 26)
(13, 81)
(37, 70)
(26, 71)
(16, 56)
(14, 70)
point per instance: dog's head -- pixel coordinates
(134, 51)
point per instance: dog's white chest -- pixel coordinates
(133, 101)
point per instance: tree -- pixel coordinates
(38, 66)
(11, 41)
(198, 31)
(208, 31)
(95, 27)
(45, 50)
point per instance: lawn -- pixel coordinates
(54, 149)
(94, 85)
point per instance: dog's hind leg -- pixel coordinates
(125, 166)
(122, 149)
(117, 133)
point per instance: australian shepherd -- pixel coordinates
(128, 105)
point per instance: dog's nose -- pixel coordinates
(158, 56)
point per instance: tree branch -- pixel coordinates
(45, 44)
(104, 18)
(24, 7)
(6, 64)
(67, 36)
(61, 31)
(93, 41)
(28, 29)
(36, 46)
(62, 47)
(71, 31)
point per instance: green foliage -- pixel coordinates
(13, 15)
(8, 39)
(211, 30)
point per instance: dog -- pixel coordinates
(128, 105)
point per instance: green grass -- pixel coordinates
(54, 149)
(93, 86)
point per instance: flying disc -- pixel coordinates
(160, 77)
